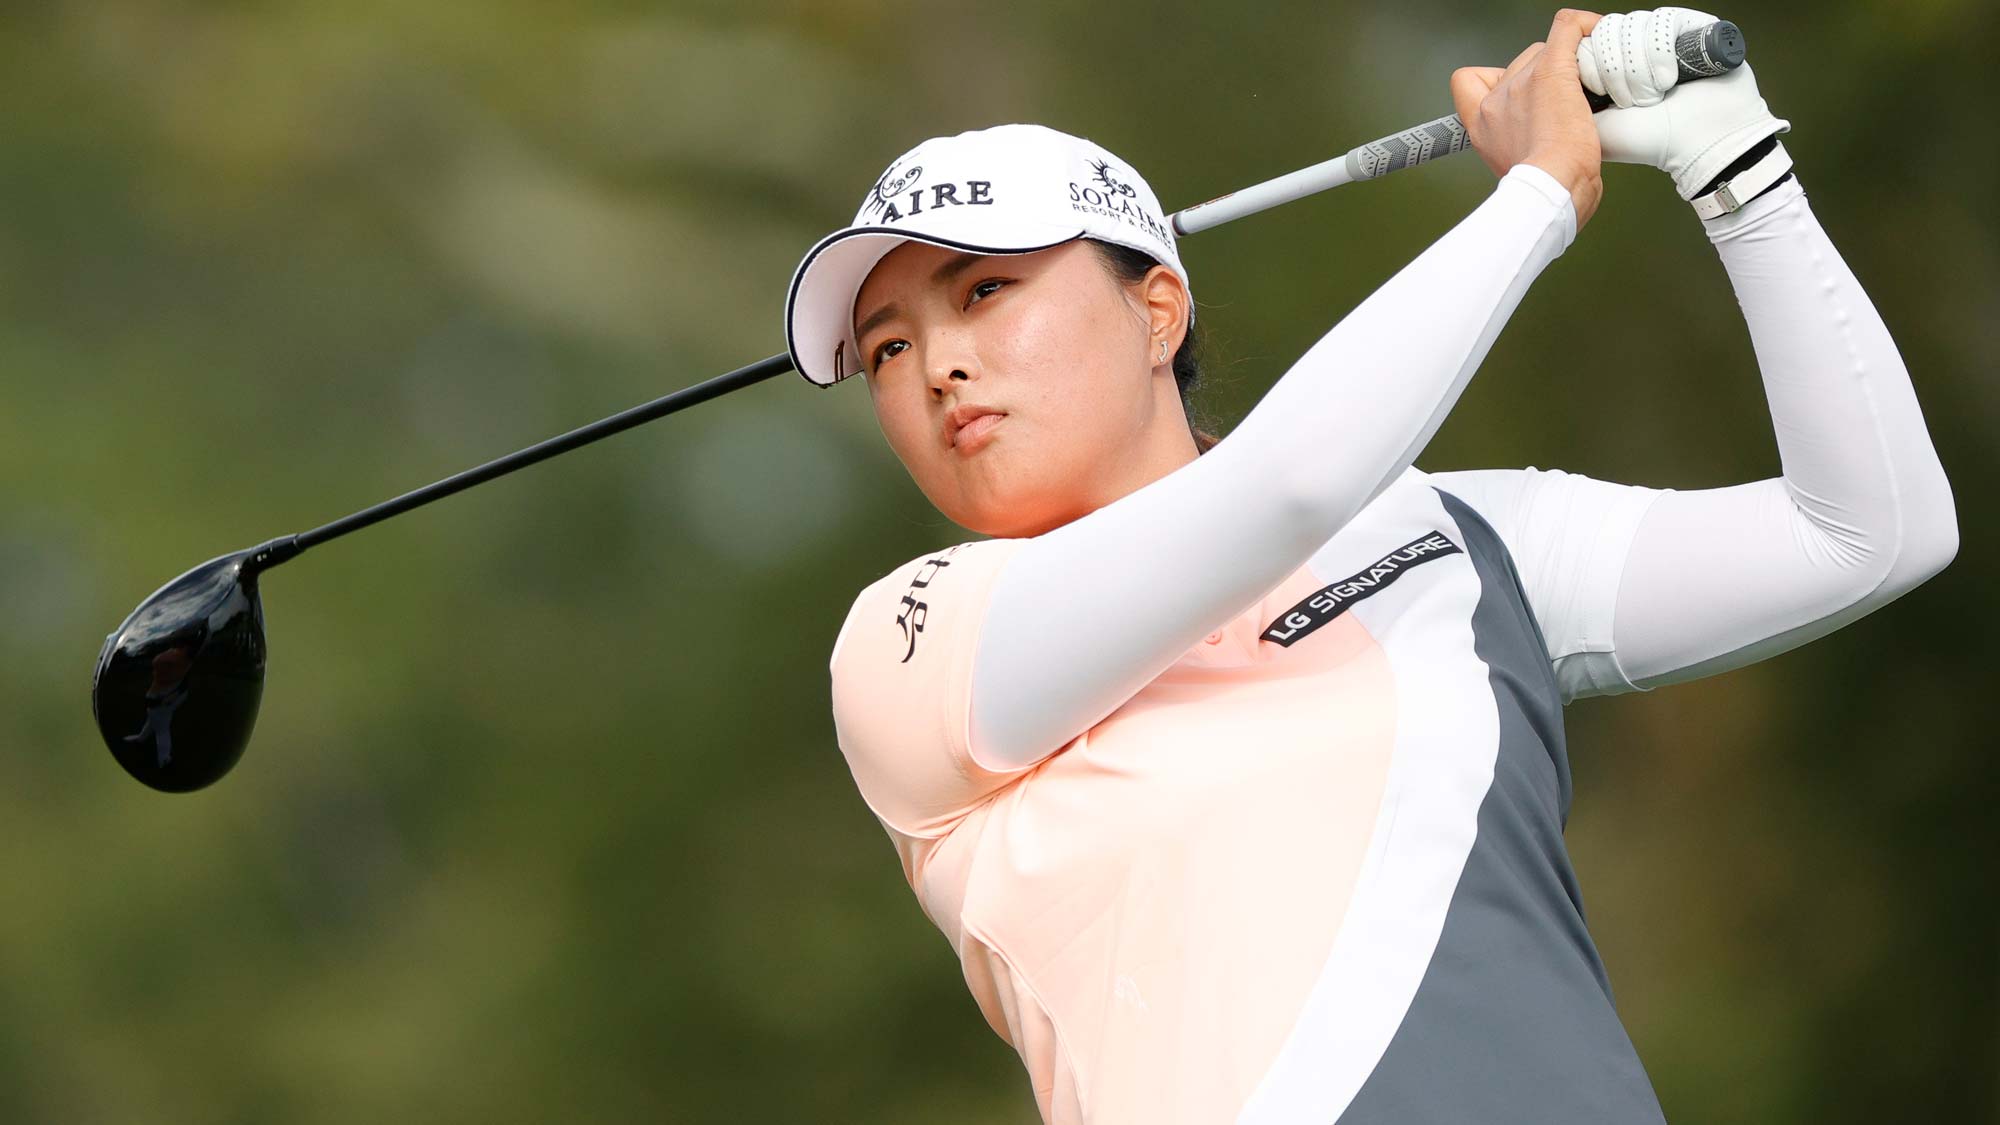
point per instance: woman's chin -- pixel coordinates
(992, 525)
(1017, 518)
(1014, 499)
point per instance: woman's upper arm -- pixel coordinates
(1570, 537)
(1637, 587)
(900, 671)
(1725, 577)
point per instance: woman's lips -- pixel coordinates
(975, 434)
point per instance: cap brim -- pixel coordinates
(819, 309)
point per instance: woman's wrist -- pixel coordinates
(1581, 179)
(1537, 179)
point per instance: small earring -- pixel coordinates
(1163, 351)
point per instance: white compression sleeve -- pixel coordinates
(1725, 577)
(1084, 616)
(1570, 537)
(1637, 587)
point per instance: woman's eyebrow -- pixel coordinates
(955, 265)
(952, 267)
(878, 316)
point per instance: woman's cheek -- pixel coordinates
(924, 457)
(1022, 337)
(903, 429)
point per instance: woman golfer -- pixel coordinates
(1234, 772)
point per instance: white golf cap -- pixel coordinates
(1011, 189)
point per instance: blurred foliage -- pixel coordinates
(545, 820)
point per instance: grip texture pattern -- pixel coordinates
(1442, 137)
(1709, 50)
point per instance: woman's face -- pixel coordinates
(1064, 354)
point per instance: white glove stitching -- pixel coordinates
(1692, 133)
(1665, 26)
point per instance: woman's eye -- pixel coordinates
(889, 349)
(984, 289)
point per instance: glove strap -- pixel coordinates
(1746, 185)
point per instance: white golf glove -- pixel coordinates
(1691, 131)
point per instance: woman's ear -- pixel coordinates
(1167, 308)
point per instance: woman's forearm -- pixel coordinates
(1374, 390)
(1851, 437)
(1862, 513)
(1085, 615)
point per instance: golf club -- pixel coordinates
(1702, 52)
(177, 685)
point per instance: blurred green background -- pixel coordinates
(545, 821)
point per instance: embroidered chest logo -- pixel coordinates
(1334, 598)
(913, 609)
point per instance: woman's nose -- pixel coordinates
(950, 362)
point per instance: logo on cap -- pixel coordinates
(888, 186)
(1112, 198)
(897, 195)
(1104, 176)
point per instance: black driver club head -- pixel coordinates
(177, 685)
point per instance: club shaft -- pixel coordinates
(618, 423)
(285, 548)
(1262, 197)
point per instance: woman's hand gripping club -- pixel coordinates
(1534, 112)
(1690, 130)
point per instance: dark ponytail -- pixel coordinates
(1131, 266)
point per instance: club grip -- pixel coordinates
(1442, 137)
(1705, 52)
(1701, 52)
